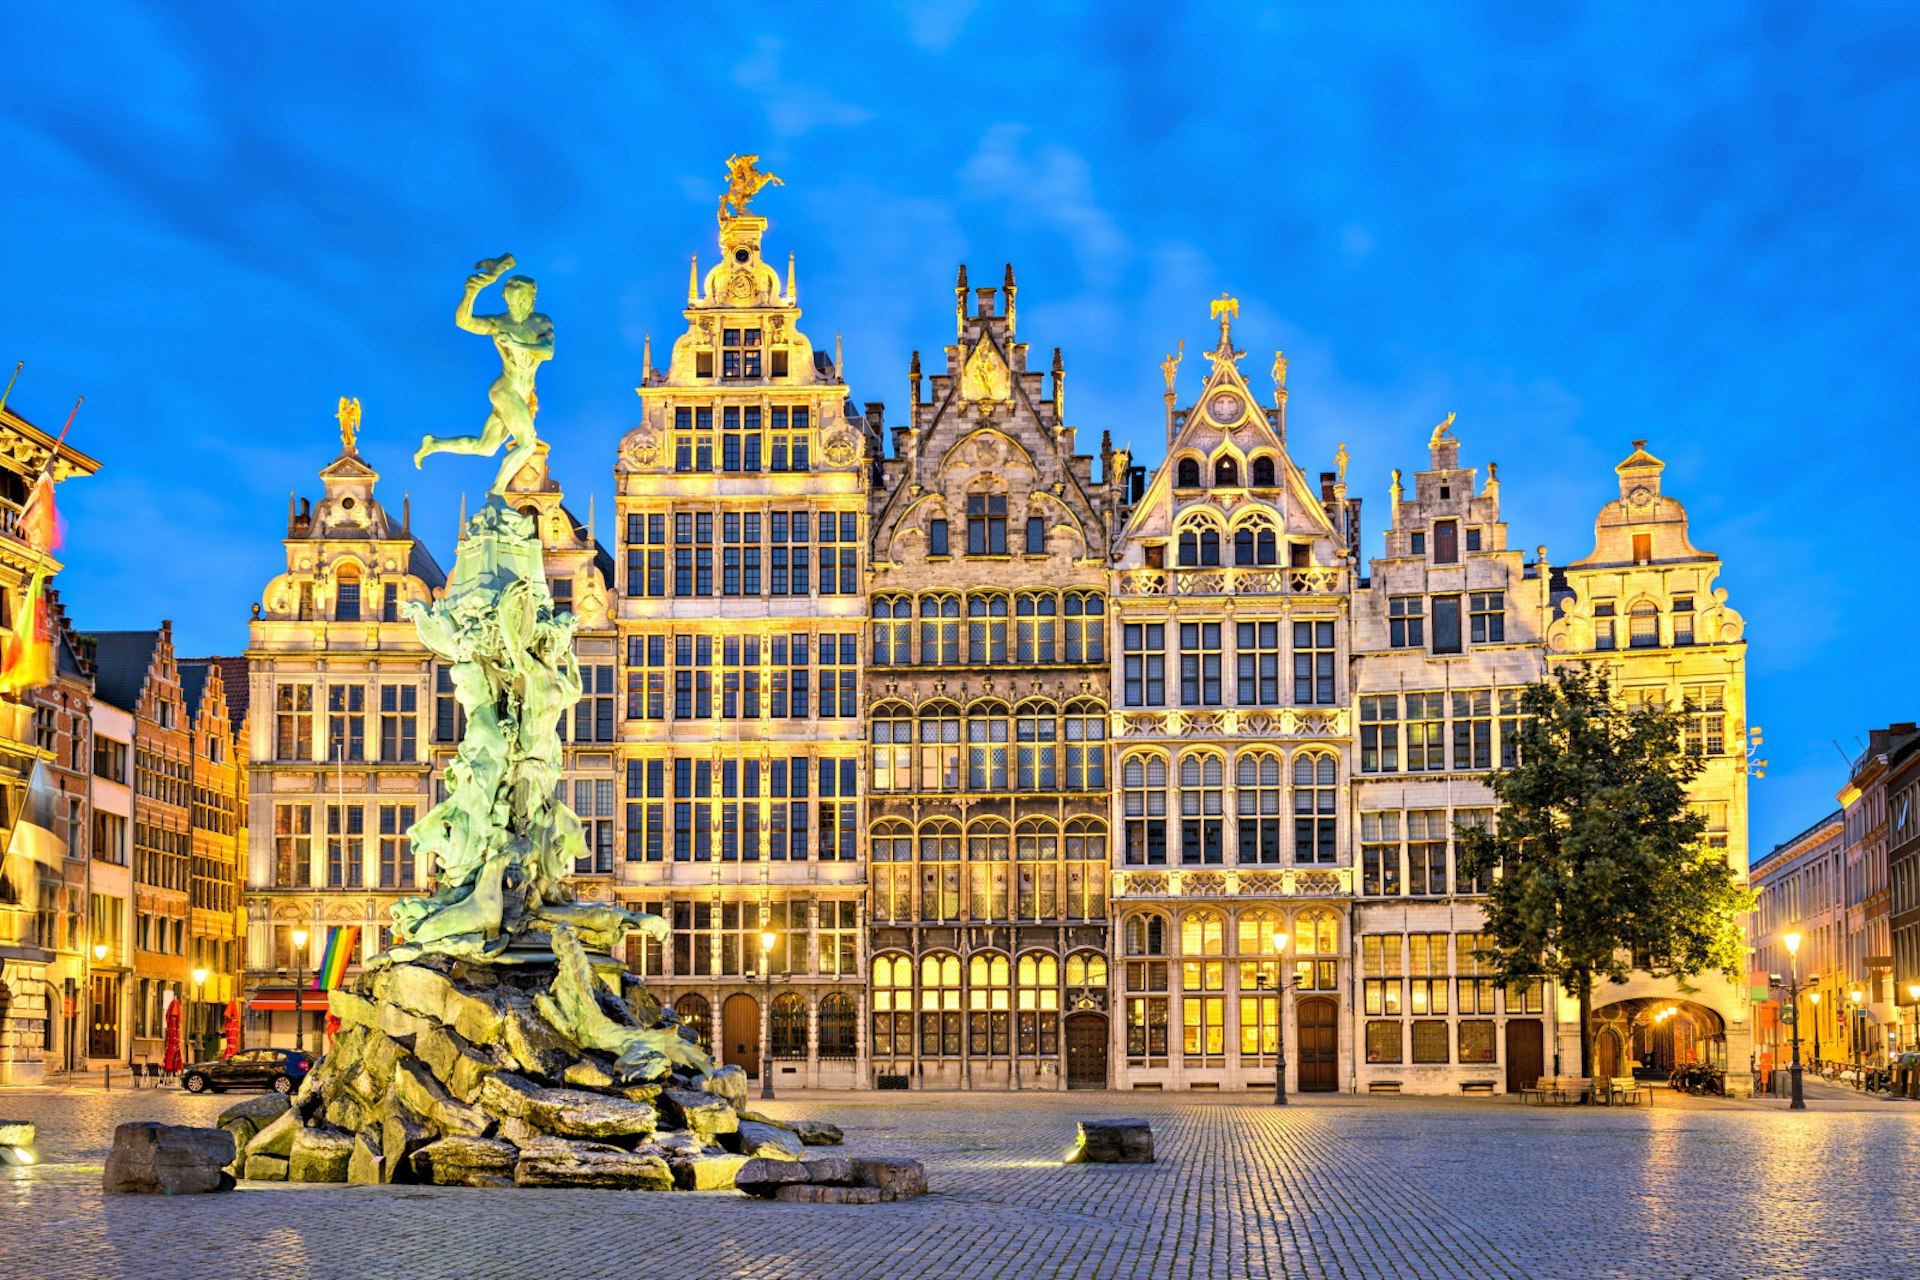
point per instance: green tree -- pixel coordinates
(1599, 860)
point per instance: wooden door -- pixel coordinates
(1087, 1051)
(1526, 1053)
(1606, 1055)
(103, 1040)
(1318, 1040)
(740, 1033)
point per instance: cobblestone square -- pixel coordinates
(1328, 1187)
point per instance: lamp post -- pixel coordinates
(199, 985)
(767, 939)
(1280, 1020)
(299, 981)
(1913, 998)
(1856, 1033)
(1792, 941)
(1814, 998)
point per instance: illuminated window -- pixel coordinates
(1144, 798)
(940, 1006)
(989, 1007)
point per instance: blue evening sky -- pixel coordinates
(1573, 224)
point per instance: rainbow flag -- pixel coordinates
(341, 941)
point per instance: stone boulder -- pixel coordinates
(508, 1093)
(534, 1045)
(575, 1113)
(705, 1115)
(588, 1074)
(258, 1112)
(763, 1177)
(276, 1139)
(367, 1165)
(402, 1133)
(809, 1193)
(264, 1168)
(729, 1082)
(900, 1179)
(1115, 1142)
(415, 988)
(320, 1155)
(427, 1098)
(555, 1162)
(816, 1133)
(466, 1162)
(766, 1140)
(705, 1172)
(352, 1010)
(149, 1158)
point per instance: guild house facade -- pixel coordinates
(1036, 768)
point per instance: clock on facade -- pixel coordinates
(1224, 408)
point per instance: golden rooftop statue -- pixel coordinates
(349, 416)
(743, 183)
(1439, 431)
(1225, 305)
(1171, 365)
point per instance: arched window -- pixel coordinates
(940, 747)
(892, 628)
(1201, 779)
(986, 630)
(892, 1008)
(1265, 552)
(940, 1006)
(1209, 547)
(1086, 969)
(890, 851)
(1086, 732)
(1259, 982)
(789, 1026)
(1254, 934)
(989, 1004)
(1243, 546)
(1034, 630)
(892, 747)
(1186, 475)
(346, 592)
(1254, 544)
(1314, 777)
(1189, 549)
(1038, 989)
(1226, 473)
(1643, 625)
(1036, 737)
(988, 848)
(939, 630)
(1263, 472)
(987, 746)
(694, 1011)
(1036, 848)
(940, 871)
(1147, 934)
(1143, 782)
(1316, 949)
(1203, 984)
(1086, 869)
(1202, 933)
(1257, 799)
(1086, 637)
(837, 1012)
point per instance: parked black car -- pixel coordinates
(281, 1070)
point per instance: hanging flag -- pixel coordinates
(33, 835)
(341, 941)
(27, 660)
(40, 522)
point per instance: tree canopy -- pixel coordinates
(1601, 865)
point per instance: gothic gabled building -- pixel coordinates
(742, 502)
(1233, 580)
(988, 707)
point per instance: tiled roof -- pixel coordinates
(121, 660)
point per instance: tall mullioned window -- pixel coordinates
(1144, 664)
(1313, 674)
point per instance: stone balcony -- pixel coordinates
(1235, 882)
(1264, 723)
(1263, 580)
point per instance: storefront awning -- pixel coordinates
(279, 998)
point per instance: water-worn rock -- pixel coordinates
(678, 1144)
(809, 1193)
(575, 1113)
(588, 1074)
(261, 1111)
(638, 1092)
(706, 1173)
(466, 1162)
(427, 1098)
(553, 1162)
(762, 1177)
(352, 1010)
(398, 1024)
(346, 1110)
(817, 1133)
(900, 1178)
(416, 988)
(705, 1114)
(476, 1017)
(277, 1138)
(537, 1047)
(729, 1082)
(265, 1168)
(1116, 1142)
(756, 1139)
(320, 1155)
(377, 1061)
(507, 1093)
(149, 1158)
(401, 1134)
(367, 1165)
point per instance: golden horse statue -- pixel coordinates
(743, 183)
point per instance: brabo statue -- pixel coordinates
(503, 840)
(524, 338)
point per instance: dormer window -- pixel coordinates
(1643, 548)
(1226, 474)
(1187, 474)
(346, 594)
(1417, 542)
(390, 605)
(703, 364)
(1263, 473)
(1683, 619)
(1446, 542)
(1473, 537)
(740, 353)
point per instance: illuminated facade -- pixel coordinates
(742, 505)
(987, 703)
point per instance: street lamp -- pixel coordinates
(1913, 997)
(1792, 942)
(767, 939)
(299, 1014)
(1280, 1020)
(99, 951)
(1856, 1033)
(199, 983)
(1814, 997)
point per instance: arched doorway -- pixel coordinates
(740, 1033)
(1318, 1037)
(1087, 1051)
(1650, 1037)
(1606, 1054)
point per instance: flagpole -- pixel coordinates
(4, 395)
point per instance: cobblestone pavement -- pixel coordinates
(1328, 1187)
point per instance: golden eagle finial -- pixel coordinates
(1225, 305)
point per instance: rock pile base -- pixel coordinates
(833, 1180)
(1115, 1142)
(149, 1158)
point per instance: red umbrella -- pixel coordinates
(172, 1061)
(233, 1028)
